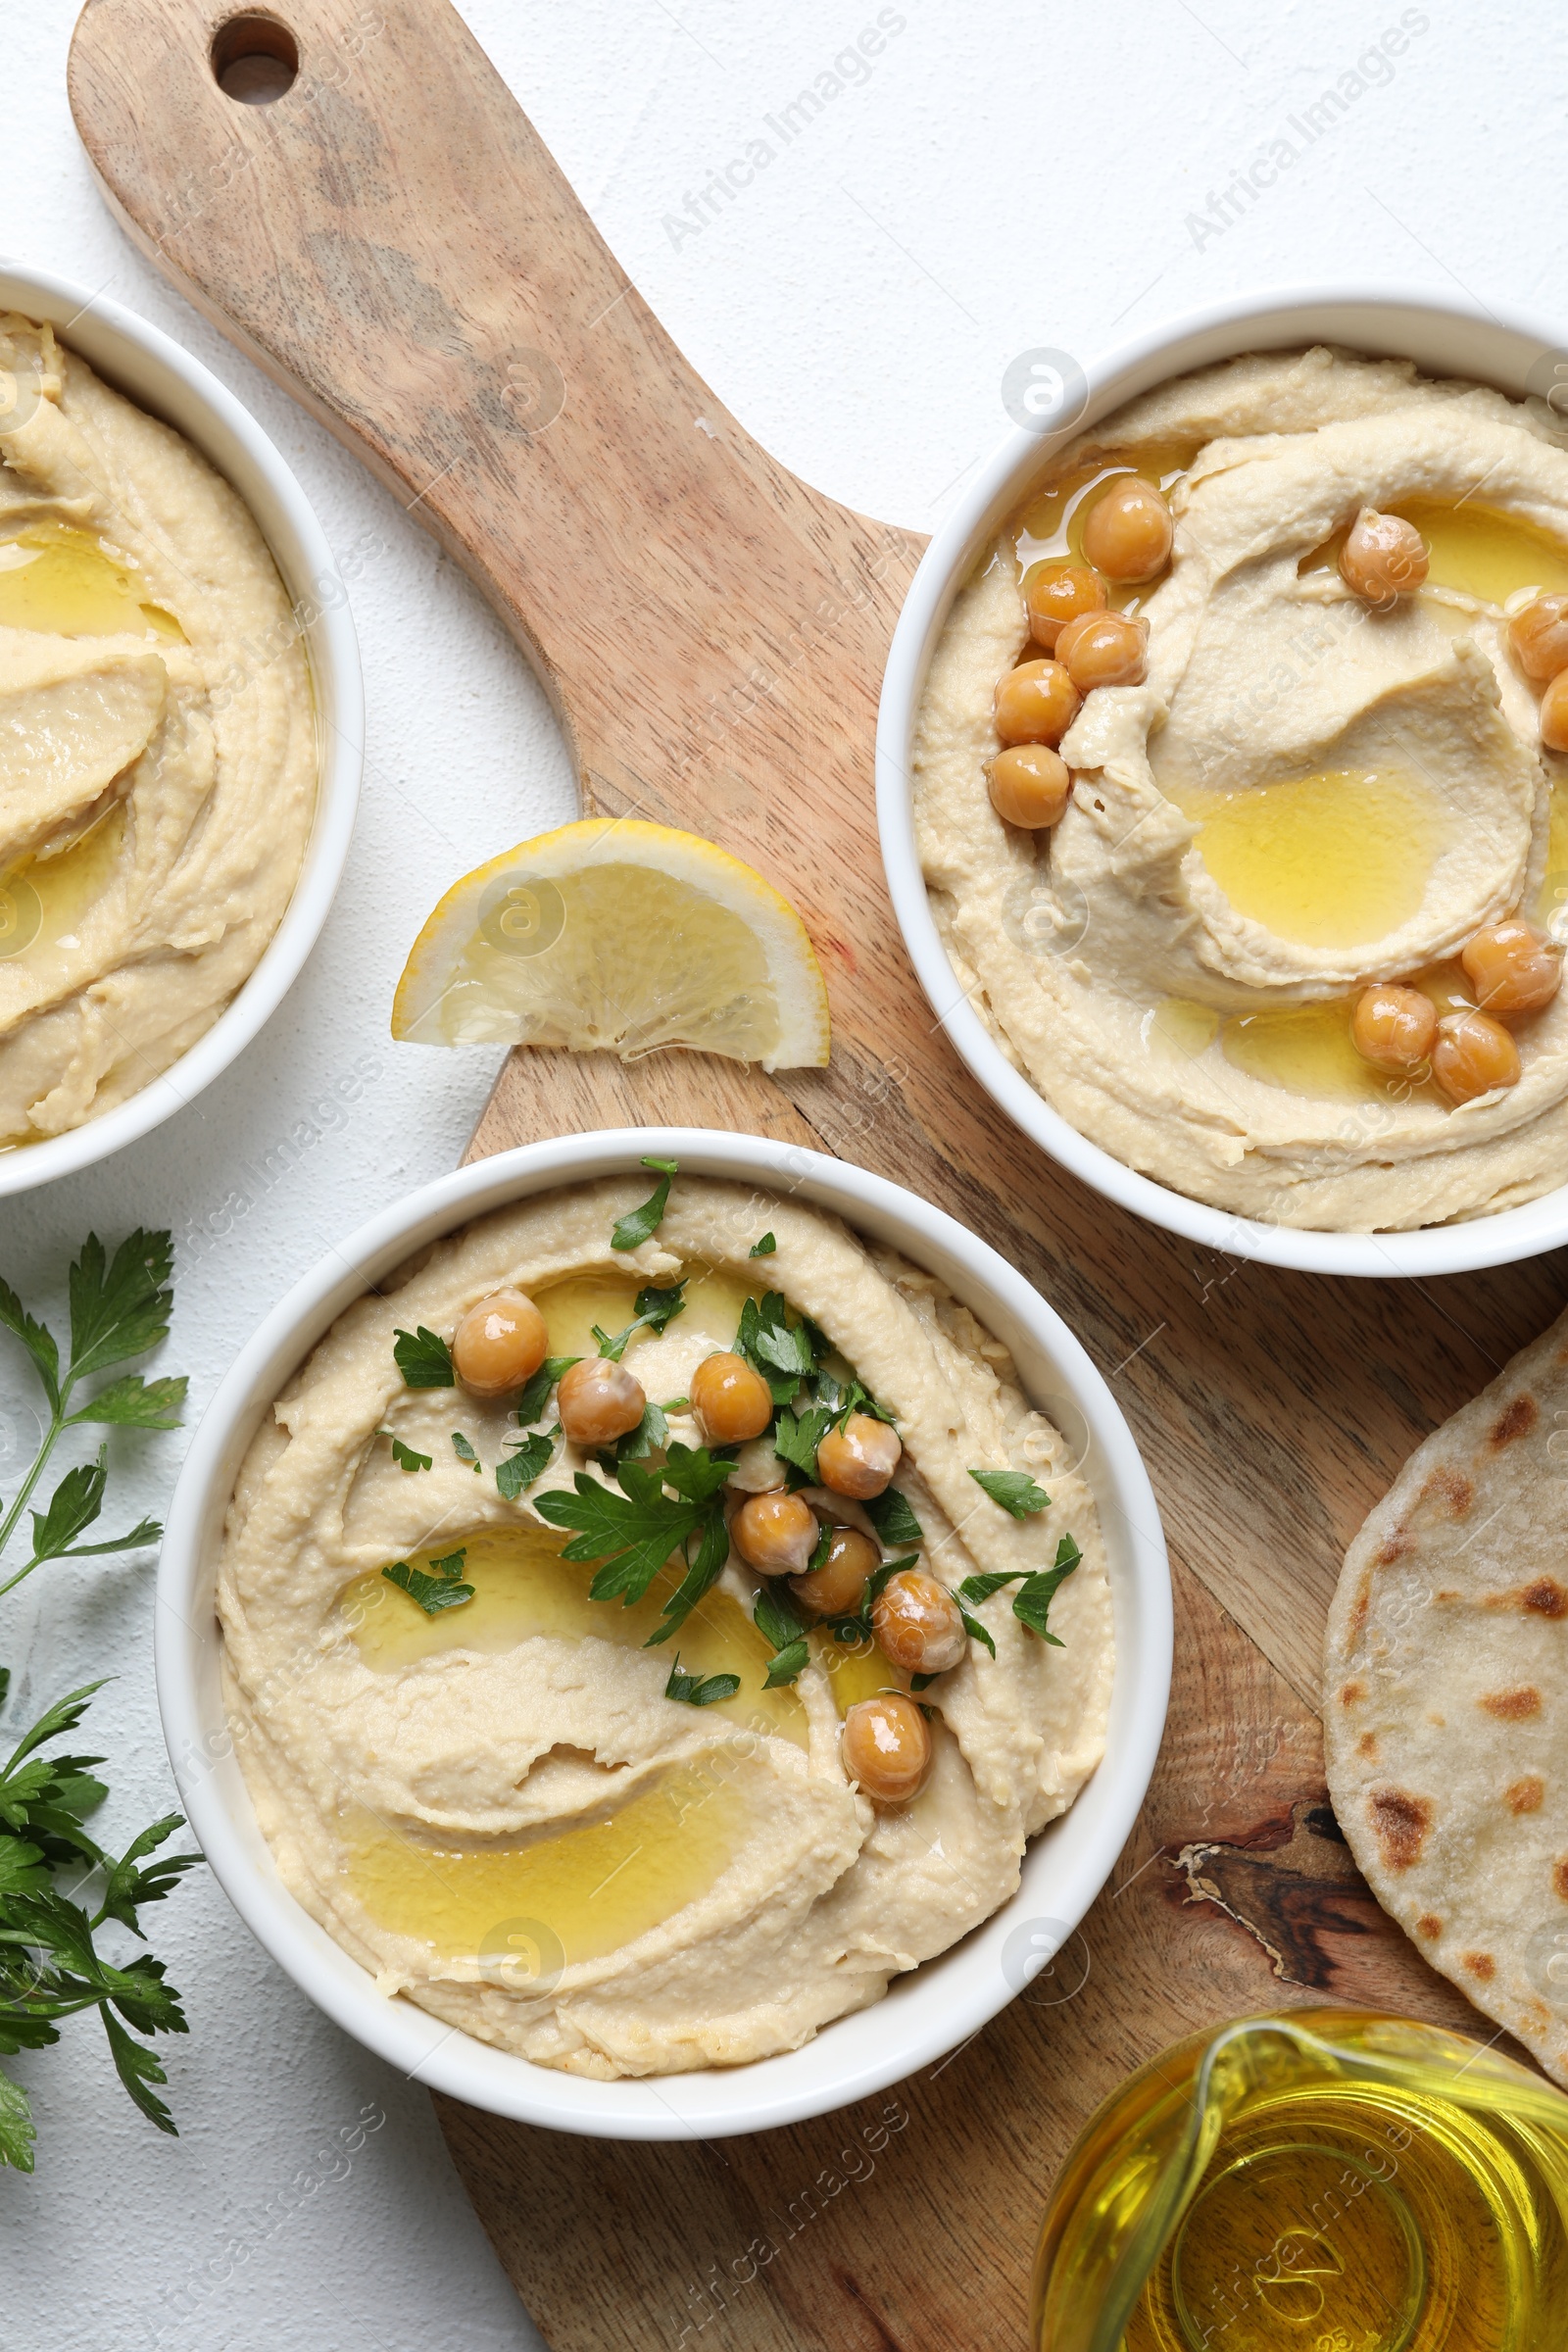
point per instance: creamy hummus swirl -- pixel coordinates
(451, 1795)
(159, 742)
(1106, 957)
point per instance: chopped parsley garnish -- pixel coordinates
(694, 1692)
(783, 1357)
(1014, 1489)
(634, 1534)
(890, 1514)
(440, 1588)
(424, 1359)
(654, 1308)
(524, 1463)
(405, 1456)
(762, 1248)
(797, 1437)
(530, 1406)
(1031, 1603)
(639, 1225)
(650, 1436)
(784, 1635)
(842, 1398)
(463, 1450)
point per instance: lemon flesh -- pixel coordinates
(619, 937)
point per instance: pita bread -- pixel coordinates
(1446, 1699)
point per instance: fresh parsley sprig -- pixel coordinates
(656, 1307)
(640, 1224)
(634, 1534)
(440, 1587)
(423, 1358)
(120, 1309)
(1031, 1603)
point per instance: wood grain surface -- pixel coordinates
(391, 241)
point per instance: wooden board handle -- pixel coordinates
(440, 299)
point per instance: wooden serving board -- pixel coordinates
(392, 242)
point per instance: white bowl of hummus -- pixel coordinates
(639, 1843)
(1206, 892)
(182, 714)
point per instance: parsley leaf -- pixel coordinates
(641, 1224)
(656, 1307)
(694, 1692)
(131, 1403)
(72, 1507)
(36, 1338)
(440, 1588)
(797, 1437)
(695, 1472)
(783, 1355)
(785, 1636)
(973, 1626)
(524, 1465)
(890, 1514)
(633, 1532)
(650, 1436)
(530, 1406)
(703, 1571)
(405, 1456)
(1036, 1588)
(118, 1308)
(1014, 1489)
(762, 1248)
(423, 1358)
(463, 1450)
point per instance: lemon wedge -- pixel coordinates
(619, 937)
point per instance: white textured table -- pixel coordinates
(852, 251)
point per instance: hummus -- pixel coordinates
(159, 743)
(498, 1807)
(1307, 795)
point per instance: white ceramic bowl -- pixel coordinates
(149, 369)
(1444, 337)
(926, 2013)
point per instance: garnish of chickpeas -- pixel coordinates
(775, 1534)
(599, 1402)
(1472, 1054)
(859, 1458)
(1036, 703)
(500, 1343)
(1127, 531)
(1383, 558)
(1030, 785)
(1394, 1026)
(731, 1400)
(838, 1587)
(917, 1625)
(1055, 592)
(1513, 968)
(886, 1747)
(1539, 636)
(1554, 713)
(1103, 648)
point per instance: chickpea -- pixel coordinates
(1472, 1055)
(1539, 636)
(775, 1534)
(1392, 1026)
(1383, 558)
(1030, 784)
(731, 1400)
(1058, 592)
(1554, 715)
(886, 1747)
(1036, 703)
(1127, 531)
(1103, 648)
(1513, 968)
(917, 1625)
(838, 1586)
(599, 1402)
(500, 1343)
(859, 1458)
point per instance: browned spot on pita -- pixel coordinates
(1545, 1597)
(1367, 1745)
(1516, 1420)
(1525, 1796)
(1447, 1595)
(1430, 1926)
(1451, 1489)
(1352, 1694)
(1480, 1964)
(1513, 1706)
(1361, 1605)
(1537, 2015)
(1400, 1821)
(1393, 1548)
(1559, 1880)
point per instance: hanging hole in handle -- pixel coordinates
(256, 58)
